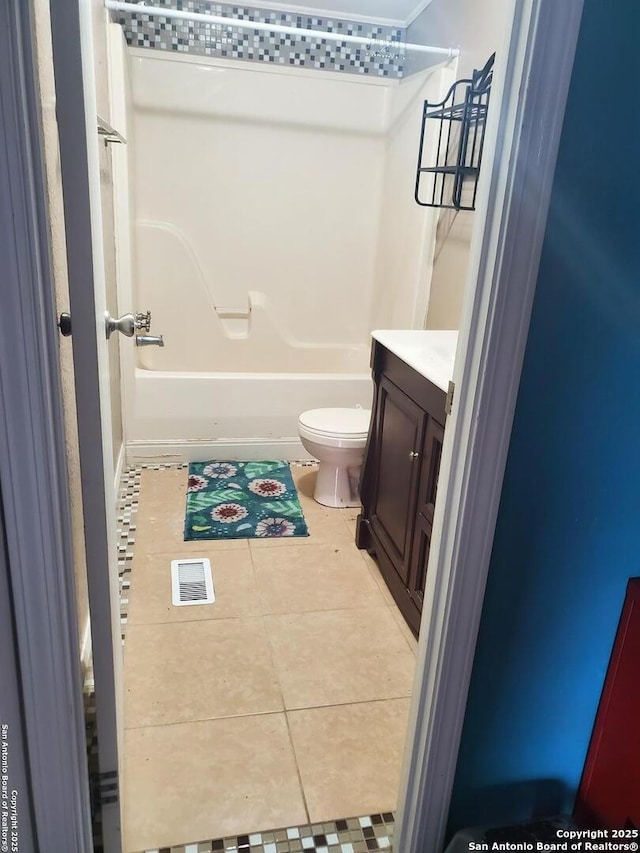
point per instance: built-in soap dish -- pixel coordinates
(236, 321)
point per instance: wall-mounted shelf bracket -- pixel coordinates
(451, 143)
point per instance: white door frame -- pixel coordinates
(533, 81)
(38, 605)
(530, 85)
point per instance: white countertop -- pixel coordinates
(430, 353)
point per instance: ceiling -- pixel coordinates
(395, 12)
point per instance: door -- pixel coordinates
(72, 40)
(400, 432)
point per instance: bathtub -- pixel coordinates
(187, 416)
(263, 296)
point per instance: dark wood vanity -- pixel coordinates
(400, 476)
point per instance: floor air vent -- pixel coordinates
(191, 582)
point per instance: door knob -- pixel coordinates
(413, 454)
(126, 325)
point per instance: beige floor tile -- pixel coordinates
(407, 633)
(305, 480)
(340, 656)
(376, 574)
(350, 756)
(350, 517)
(209, 779)
(175, 672)
(160, 517)
(323, 577)
(233, 579)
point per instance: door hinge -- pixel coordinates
(448, 403)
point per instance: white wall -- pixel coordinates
(477, 28)
(450, 261)
(406, 232)
(255, 181)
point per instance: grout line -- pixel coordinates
(194, 621)
(344, 704)
(362, 608)
(272, 713)
(386, 605)
(298, 771)
(272, 658)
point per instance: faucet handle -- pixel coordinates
(143, 321)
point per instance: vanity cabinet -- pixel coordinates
(400, 477)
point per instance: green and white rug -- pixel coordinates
(242, 500)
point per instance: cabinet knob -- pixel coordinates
(413, 454)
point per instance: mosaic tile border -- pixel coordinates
(91, 738)
(126, 509)
(352, 835)
(193, 37)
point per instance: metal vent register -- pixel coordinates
(191, 582)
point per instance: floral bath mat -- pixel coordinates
(242, 500)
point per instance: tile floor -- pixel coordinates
(284, 704)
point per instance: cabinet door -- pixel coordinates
(427, 488)
(400, 431)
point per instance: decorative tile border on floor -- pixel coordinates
(91, 737)
(126, 509)
(353, 835)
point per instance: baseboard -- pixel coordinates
(244, 449)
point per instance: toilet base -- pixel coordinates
(337, 486)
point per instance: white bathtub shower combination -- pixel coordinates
(268, 226)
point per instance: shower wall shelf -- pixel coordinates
(452, 146)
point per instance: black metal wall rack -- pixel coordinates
(453, 144)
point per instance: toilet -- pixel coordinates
(336, 438)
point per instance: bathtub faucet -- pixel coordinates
(149, 341)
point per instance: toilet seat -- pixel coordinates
(335, 427)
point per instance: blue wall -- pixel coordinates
(568, 533)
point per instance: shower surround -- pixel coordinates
(270, 221)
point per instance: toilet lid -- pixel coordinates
(341, 422)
